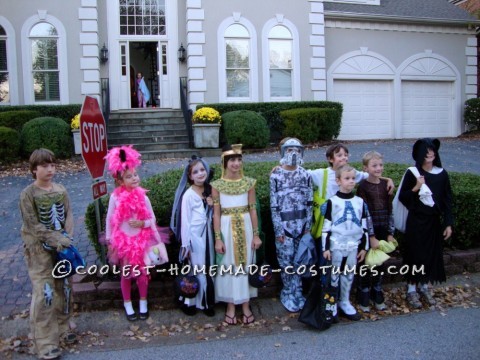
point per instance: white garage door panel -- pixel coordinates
(426, 109)
(367, 108)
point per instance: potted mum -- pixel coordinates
(206, 127)
(75, 125)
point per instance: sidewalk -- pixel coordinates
(106, 331)
(457, 155)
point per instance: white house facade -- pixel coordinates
(401, 68)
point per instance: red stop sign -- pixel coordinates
(93, 133)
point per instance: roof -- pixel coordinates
(405, 10)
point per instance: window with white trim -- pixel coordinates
(142, 17)
(45, 70)
(237, 67)
(4, 78)
(280, 50)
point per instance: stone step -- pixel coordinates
(154, 146)
(185, 153)
(146, 121)
(146, 128)
(146, 114)
(145, 133)
(147, 139)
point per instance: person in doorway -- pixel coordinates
(143, 94)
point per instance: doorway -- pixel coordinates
(143, 58)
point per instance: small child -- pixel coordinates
(191, 222)
(425, 232)
(373, 191)
(291, 197)
(344, 233)
(130, 227)
(143, 94)
(46, 219)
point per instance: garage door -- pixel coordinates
(427, 109)
(367, 108)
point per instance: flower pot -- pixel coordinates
(77, 141)
(206, 135)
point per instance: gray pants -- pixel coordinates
(346, 278)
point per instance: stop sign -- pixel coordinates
(93, 133)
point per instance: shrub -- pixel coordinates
(16, 119)
(9, 145)
(466, 202)
(472, 113)
(247, 128)
(49, 133)
(311, 124)
(270, 111)
(65, 112)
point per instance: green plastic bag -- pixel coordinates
(318, 201)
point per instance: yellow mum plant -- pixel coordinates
(75, 124)
(206, 115)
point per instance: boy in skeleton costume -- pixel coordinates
(47, 222)
(344, 232)
(291, 196)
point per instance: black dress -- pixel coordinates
(424, 230)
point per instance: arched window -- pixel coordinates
(45, 70)
(237, 66)
(280, 54)
(4, 78)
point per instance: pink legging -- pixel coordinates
(126, 286)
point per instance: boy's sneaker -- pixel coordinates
(427, 295)
(378, 299)
(413, 300)
(52, 354)
(363, 300)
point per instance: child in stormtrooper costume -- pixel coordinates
(291, 198)
(345, 236)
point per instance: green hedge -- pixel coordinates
(472, 112)
(271, 111)
(9, 145)
(466, 189)
(47, 132)
(16, 119)
(246, 127)
(311, 124)
(65, 112)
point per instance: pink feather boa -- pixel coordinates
(125, 249)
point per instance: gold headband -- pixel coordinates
(236, 150)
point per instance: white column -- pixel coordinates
(196, 59)
(317, 43)
(88, 38)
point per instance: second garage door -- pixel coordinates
(367, 108)
(427, 109)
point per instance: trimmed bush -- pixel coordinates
(49, 133)
(270, 111)
(247, 128)
(9, 145)
(16, 119)
(466, 202)
(472, 113)
(311, 124)
(65, 112)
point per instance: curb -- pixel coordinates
(90, 292)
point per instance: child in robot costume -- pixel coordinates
(291, 196)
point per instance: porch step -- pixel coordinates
(155, 133)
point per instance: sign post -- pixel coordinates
(93, 133)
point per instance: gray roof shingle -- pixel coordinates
(414, 9)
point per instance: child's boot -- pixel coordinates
(345, 306)
(363, 299)
(378, 299)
